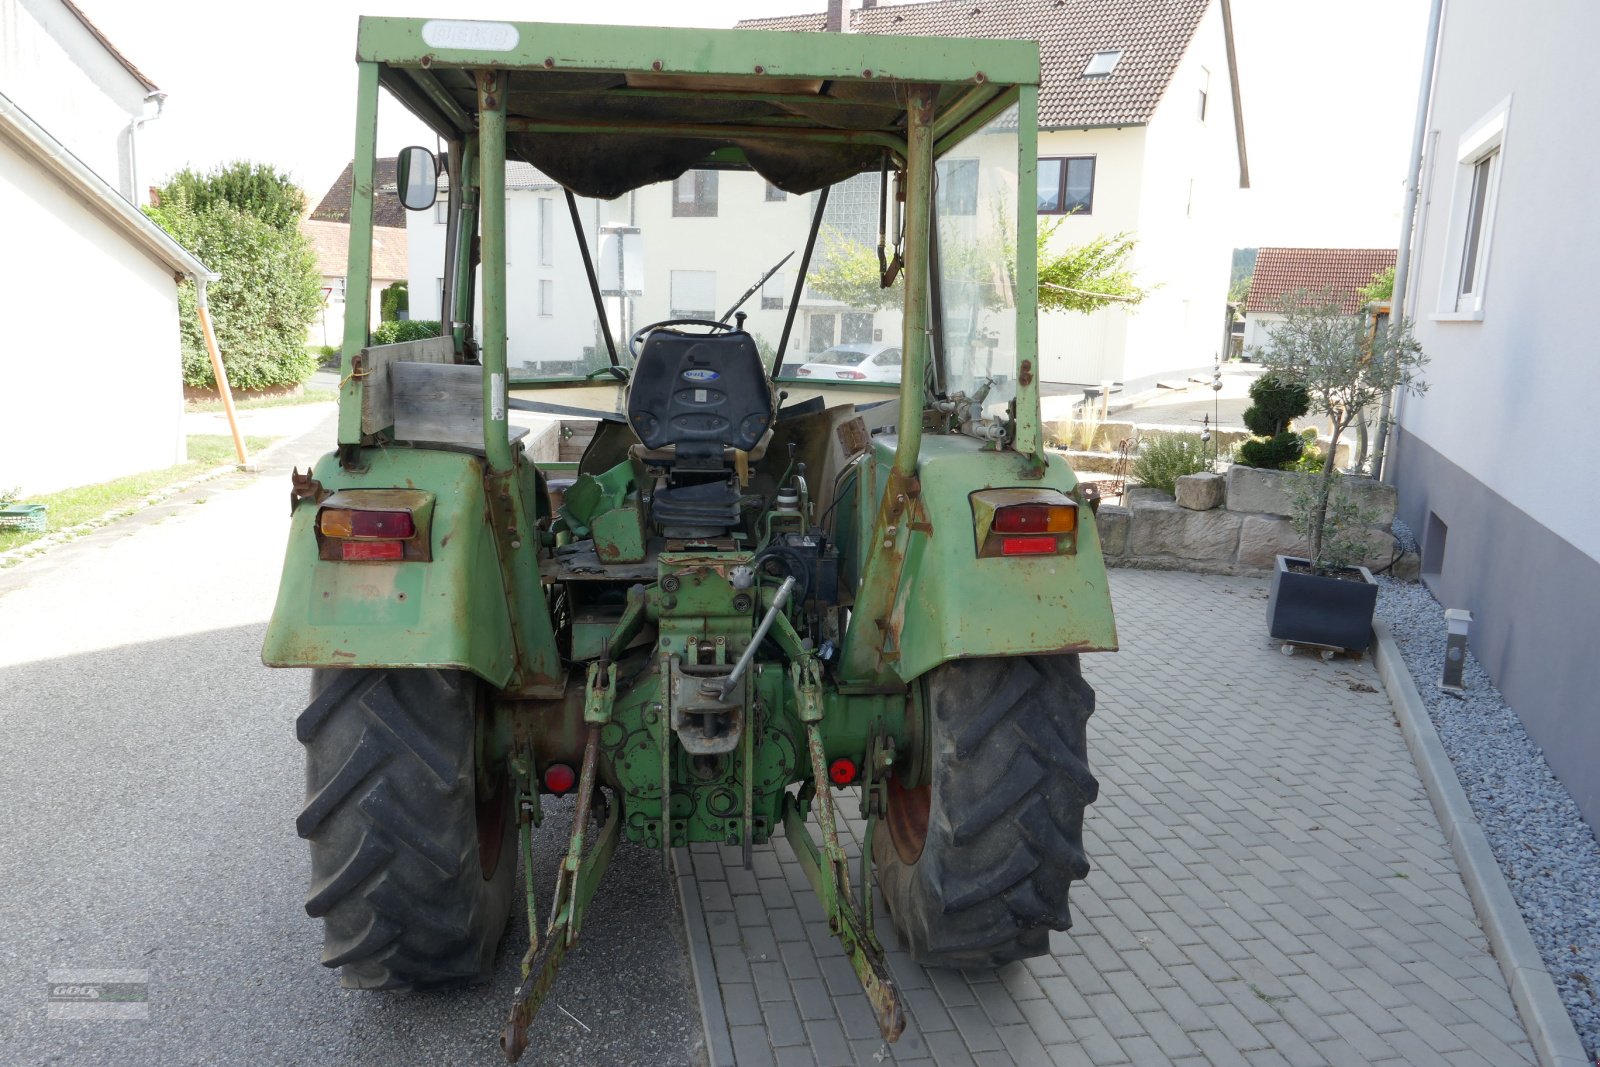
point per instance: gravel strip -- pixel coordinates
(1549, 856)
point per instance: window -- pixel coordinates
(694, 294)
(547, 238)
(774, 193)
(1474, 197)
(855, 327)
(1066, 184)
(439, 288)
(441, 211)
(694, 194)
(547, 296)
(1101, 64)
(819, 332)
(958, 187)
(773, 291)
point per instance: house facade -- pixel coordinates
(326, 229)
(1492, 463)
(94, 280)
(1140, 133)
(1280, 272)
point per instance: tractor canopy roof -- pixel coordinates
(607, 109)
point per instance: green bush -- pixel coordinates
(269, 290)
(1274, 404)
(389, 333)
(1278, 452)
(1163, 460)
(394, 299)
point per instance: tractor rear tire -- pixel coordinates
(412, 866)
(976, 863)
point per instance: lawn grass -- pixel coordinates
(306, 396)
(69, 507)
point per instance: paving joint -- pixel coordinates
(1555, 1040)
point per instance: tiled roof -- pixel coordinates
(519, 175)
(331, 242)
(1152, 36)
(1280, 271)
(335, 204)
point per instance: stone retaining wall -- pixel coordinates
(1233, 524)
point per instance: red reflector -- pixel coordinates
(1034, 518)
(559, 779)
(1027, 546)
(372, 550)
(381, 524)
(842, 771)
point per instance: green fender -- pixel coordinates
(951, 604)
(448, 612)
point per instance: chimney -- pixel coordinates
(835, 19)
(865, 4)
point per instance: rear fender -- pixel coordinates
(448, 612)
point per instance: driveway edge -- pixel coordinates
(1554, 1038)
(713, 1019)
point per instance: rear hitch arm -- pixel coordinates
(828, 869)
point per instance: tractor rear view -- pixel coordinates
(755, 597)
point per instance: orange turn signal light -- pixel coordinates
(1035, 519)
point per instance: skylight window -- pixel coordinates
(1102, 63)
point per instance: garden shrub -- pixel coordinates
(389, 333)
(1275, 404)
(1163, 460)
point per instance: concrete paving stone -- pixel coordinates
(1168, 1034)
(1470, 1058)
(976, 1029)
(714, 896)
(1149, 970)
(786, 924)
(1066, 998)
(750, 1047)
(928, 1010)
(1092, 1039)
(996, 1058)
(1427, 1028)
(795, 1056)
(812, 998)
(1022, 1044)
(775, 893)
(731, 964)
(741, 881)
(828, 1044)
(1020, 982)
(740, 1003)
(998, 1003)
(1253, 1001)
(839, 975)
(759, 944)
(1213, 966)
(949, 1050)
(1047, 1023)
(1239, 1030)
(1361, 1036)
(1109, 1009)
(1133, 993)
(1267, 1058)
(783, 1024)
(721, 928)
(855, 1015)
(707, 867)
(1307, 1023)
(771, 981)
(798, 960)
(952, 988)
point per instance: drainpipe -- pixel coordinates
(203, 311)
(160, 99)
(1408, 214)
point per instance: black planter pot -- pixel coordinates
(1317, 610)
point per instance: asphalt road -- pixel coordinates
(150, 778)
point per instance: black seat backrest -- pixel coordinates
(700, 394)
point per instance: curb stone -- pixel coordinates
(1554, 1038)
(713, 1019)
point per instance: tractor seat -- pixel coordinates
(698, 394)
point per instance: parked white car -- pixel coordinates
(861, 361)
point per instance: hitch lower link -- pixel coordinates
(828, 868)
(580, 872)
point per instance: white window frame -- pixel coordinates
(692, 293)
(1462, 299)
(441, 211)
(547, 298)
(547, 236)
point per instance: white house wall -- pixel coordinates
(91, 364)
(1493, 463)
(1190, 190)
(1074, 347)
(56, 71)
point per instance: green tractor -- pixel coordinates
(840, 561)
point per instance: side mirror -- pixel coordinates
(417, 178)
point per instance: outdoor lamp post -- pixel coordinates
(1457, 622)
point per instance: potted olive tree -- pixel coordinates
(1345, 365)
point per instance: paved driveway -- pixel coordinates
(1270, 887)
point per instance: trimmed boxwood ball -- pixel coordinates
(1275, 404)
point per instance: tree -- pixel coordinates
(242, 221)
(1089, 276)
(1380, 288)
(1344, 369)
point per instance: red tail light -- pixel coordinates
(559, 779)
(842, 771)
(1035, 519)
(803, 373)
(371, 550)
(1027, 546)
(342, 522)
(853, 375)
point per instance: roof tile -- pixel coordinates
(1281, 271)
(335, 203)
(1151, 34)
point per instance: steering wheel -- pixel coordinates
(639, 335)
